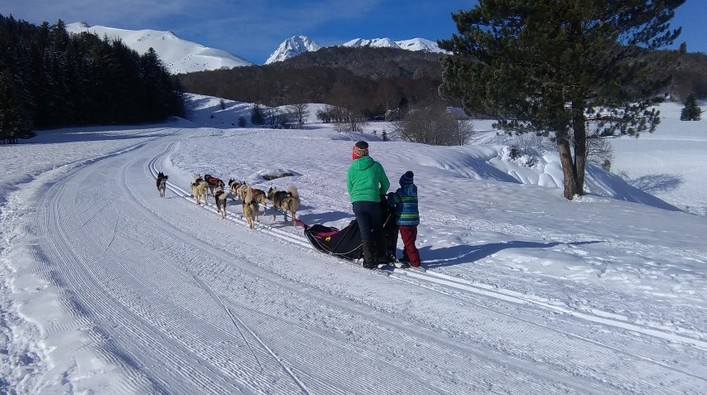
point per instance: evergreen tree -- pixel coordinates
(691, 111)
(556, 67)
(13, 122)
(257, 117)
(63, 79)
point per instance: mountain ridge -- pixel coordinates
(182, 56)
(179, 56)
(295, 46)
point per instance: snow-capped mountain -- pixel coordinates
(293, 46)
(415, 44)
(375, 43)
(420, 44)
(179, 56)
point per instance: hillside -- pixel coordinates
(369, 80)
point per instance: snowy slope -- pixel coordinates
(179, 56)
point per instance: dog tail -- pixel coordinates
(293, 191)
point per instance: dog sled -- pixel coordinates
(346, 243)
(343, 243)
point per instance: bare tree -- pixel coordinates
(300, 113)
(433, 125)
(599, 152)
(348, 121)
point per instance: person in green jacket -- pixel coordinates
(366, 183)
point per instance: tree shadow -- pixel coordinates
(657, 183)
(97, 133)
(465, 254)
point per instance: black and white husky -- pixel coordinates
(161, 183)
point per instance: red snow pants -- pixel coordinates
(409, 236)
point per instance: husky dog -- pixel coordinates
(161, 183)
(286, 201)
(250, 209)
(242, 191)
(213, 183)
(236, 187)
(260, 197)
(220, 198)
(198, 189)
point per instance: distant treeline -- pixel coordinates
(50, 78)
(367, 81)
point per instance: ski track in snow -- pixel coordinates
(219, 308)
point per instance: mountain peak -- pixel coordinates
(296, 45)
(293, 46)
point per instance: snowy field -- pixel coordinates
(108, 289)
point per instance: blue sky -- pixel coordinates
(253, 29)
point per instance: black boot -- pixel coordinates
(368, 261)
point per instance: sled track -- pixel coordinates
(442, 281)
(240, 323)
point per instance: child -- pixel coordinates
(408, 217)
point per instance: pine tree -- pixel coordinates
(13, 122)
(257, 117)
(558, 67)
(691, 111)
(62, 79)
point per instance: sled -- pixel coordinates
(346, 243)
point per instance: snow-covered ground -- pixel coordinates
(107, 288)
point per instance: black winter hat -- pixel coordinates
(407, 178)
(362, 144)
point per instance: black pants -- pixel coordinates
(370, 223)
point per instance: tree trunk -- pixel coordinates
(568, 170)
(580, 146)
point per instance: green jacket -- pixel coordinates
(366, 180)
